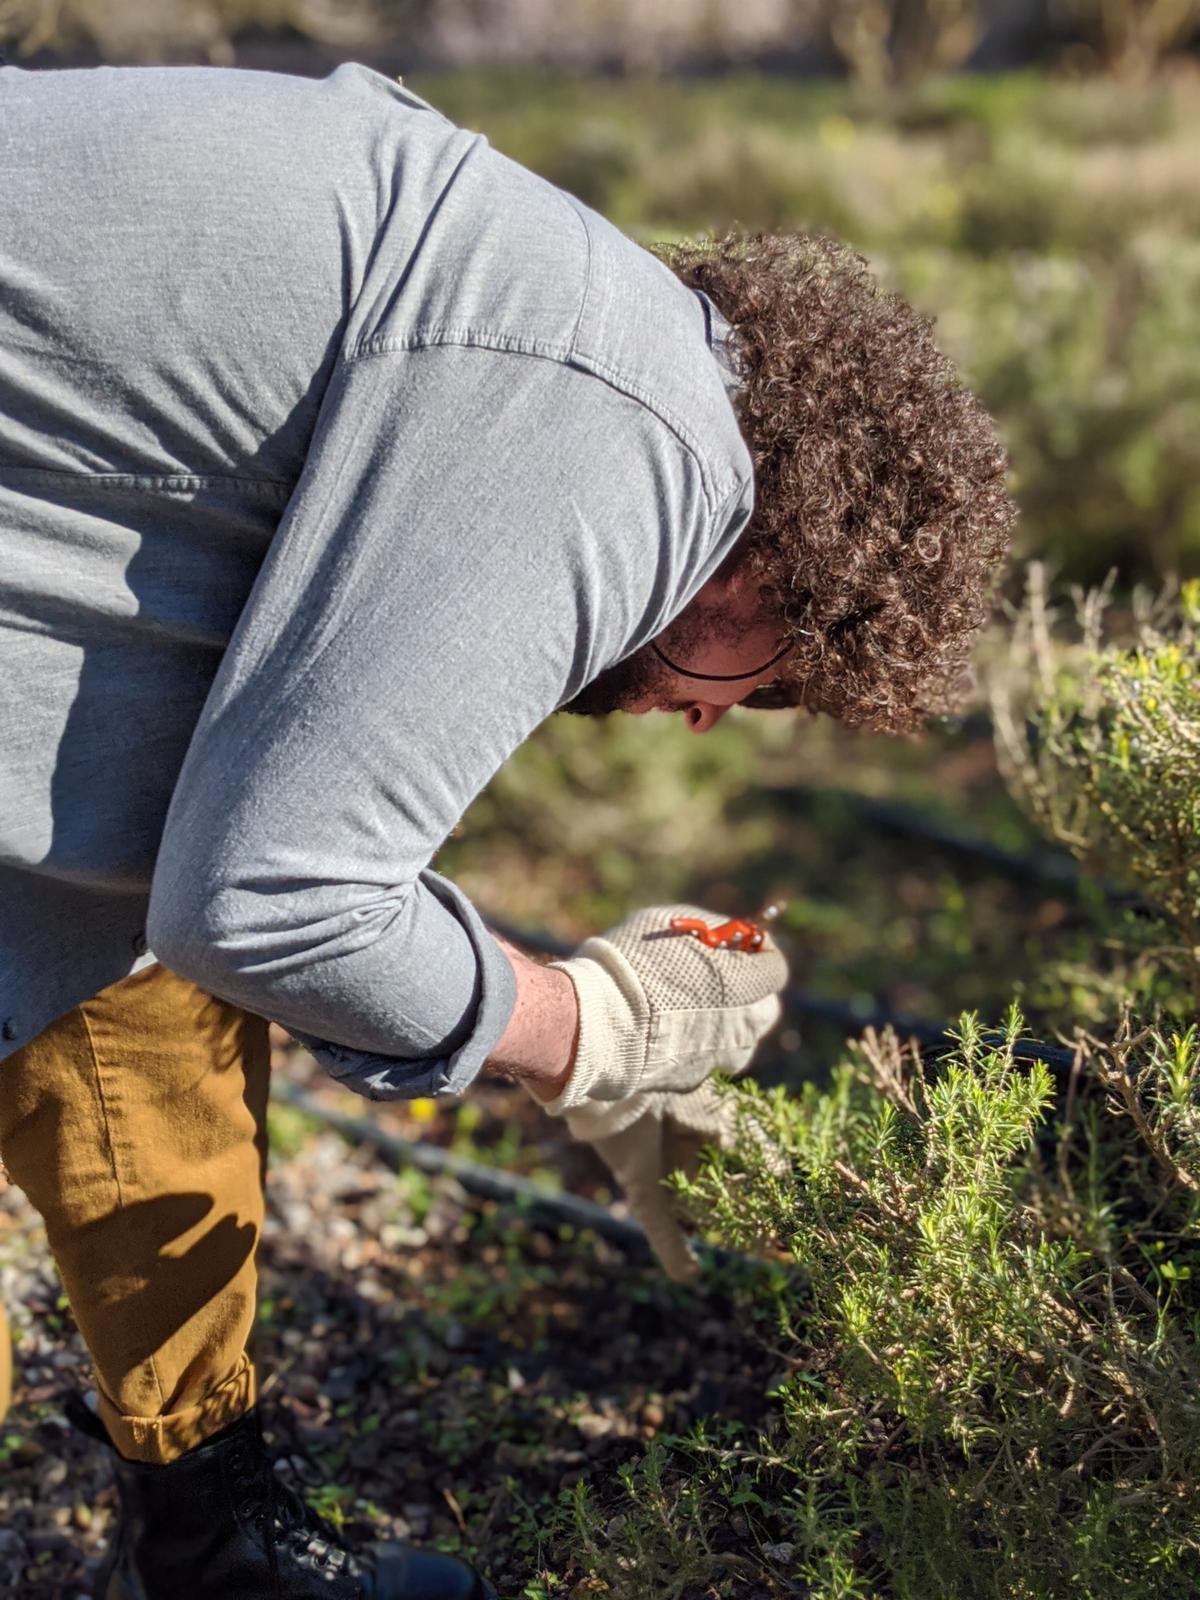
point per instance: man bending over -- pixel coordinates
(336, 453)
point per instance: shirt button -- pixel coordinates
(139, 944)
(9, 1029)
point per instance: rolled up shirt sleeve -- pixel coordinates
(477, 533)
(477, 966)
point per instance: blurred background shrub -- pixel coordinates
(878, 42)
(163, 30)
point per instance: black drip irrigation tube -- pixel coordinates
(1035, 866)
(543, 1208)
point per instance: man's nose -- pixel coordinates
(700, 716)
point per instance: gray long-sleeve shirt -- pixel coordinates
(336, 452)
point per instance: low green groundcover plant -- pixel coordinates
(982, 1274)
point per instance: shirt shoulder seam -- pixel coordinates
(574, 208)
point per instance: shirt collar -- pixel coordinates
(722, 342)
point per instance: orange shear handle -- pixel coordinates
(736, 934)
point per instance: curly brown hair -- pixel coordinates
(881, 519)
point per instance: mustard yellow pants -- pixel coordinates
(136, 1125)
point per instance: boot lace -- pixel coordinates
(284, 1518)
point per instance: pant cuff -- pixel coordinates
(159, 1440)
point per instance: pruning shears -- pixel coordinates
(739, 933)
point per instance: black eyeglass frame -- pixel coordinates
(777, 696)
(719, 677)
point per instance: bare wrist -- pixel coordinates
(538, 1045)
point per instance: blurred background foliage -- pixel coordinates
(875, 41)
(1043, 205)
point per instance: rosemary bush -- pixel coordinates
(1100, 742)
(991, 1346)
(991, 1355)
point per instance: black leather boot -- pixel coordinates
(219, 1525)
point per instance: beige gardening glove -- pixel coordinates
(668, 1134)
(659, 1013)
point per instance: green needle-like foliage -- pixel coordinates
(1100, 742)
(995, 1371)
